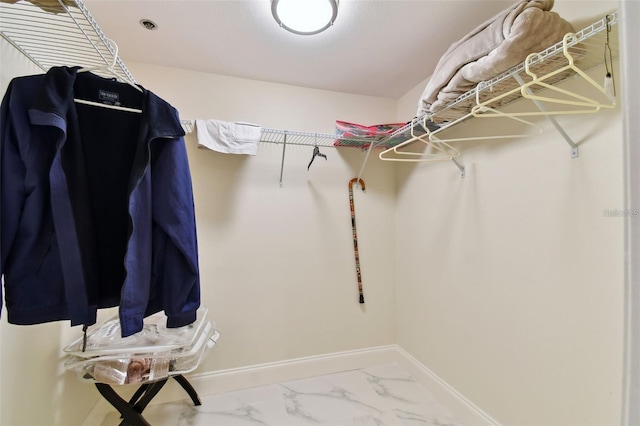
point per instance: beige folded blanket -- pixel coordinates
(52, 6)
(500, 43)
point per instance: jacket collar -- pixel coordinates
(54, 102)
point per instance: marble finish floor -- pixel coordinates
(382, 395)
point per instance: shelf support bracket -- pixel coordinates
(552, 120)
(284, 147)
(364, 163)
(459, 166)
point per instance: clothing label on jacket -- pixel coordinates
(110, 98)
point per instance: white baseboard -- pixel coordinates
(294, 369)
(466, 411)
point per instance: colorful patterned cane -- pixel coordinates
(355, 233)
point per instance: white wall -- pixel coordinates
(630, 61)
(509, 282)
(277, 264)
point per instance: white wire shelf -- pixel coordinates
(311, 139)
(291, 137)
(71, 37)
(587, 47)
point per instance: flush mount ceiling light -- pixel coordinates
(305, 17)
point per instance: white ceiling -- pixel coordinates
(376, 47)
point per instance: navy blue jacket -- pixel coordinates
(96, 204)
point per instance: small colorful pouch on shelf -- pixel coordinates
(361, 136)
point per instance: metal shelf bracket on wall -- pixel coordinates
(284, 148)
(552, 120)
(463, 172)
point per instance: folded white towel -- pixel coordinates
(228, 137)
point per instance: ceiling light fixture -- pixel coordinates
(305, 17)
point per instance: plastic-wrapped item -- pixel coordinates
(123, 368)
(112, 371)
(105, 339)
(126, 371)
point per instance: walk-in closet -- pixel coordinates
(422, 213)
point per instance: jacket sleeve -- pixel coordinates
(12, 174)
(174, 236)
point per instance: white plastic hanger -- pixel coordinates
(443, 151)
(572, 99)
(110, 70)
(481, 110)
(581, 104)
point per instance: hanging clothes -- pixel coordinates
(96, 204)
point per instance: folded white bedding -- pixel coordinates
(500, 43)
